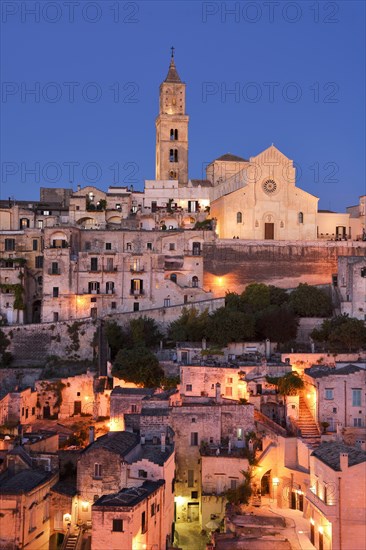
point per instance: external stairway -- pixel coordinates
(306, 424)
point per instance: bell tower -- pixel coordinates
(172, 129)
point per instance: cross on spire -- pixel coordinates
(172, 49)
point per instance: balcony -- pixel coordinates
(136, 268)
(54, 271)
(112, 269)
(139, 292)
(327, 509)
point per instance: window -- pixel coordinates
(173, 277)
(228, 391)
(357, 422)
(301, 217)
(171, 246)
(229, 381)
(118, 206)
(190, 481)
(136, 306)
(239, 217)
(114, 305)
(108, 246)
(97, 470)
(196, 249)
(194, 439)
(40, 280)
(9, 244)
(233, 484)
(142, 473)
(54, 268)
(194, 494)
(137, 286)
(32, 518)
(193, 420)
(24, 223)
(329, 393)
(356, 397)
(93, 300)
(109, 287)
(39, 262)
(33, 411)
(117, 525)
(134, 408)
(149, 246)
(93, 264)
(55, 316)
(239, 434)
(93, 287)
(46, 212)
(55, 292)
(22, 411)
(166, 302)
(128, 246)
(173, 135)
(195, 282)
(109, 266)
(154, 206)
(192, 206)
(173, 155)
(143, 522)
(152, 509)
(87, 245)
(188, 387)
(35, 244)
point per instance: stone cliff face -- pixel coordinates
(231, 265)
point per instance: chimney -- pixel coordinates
(91, 434)
(79, 187)
(343, 461)
(218, 392)
(268, 348)
(163, 438)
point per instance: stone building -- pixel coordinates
(197, 422)
(337, 396)
(336, 497)
(351, 286)
(19, 407)
(131, 518)
(24, 503)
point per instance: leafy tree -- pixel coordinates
(309, 301)
(138, 365)
(191, 326)
(289, 384)
(116, 338)
(279, 324)
(229, 325)
(256, 297)
(277, 296)
(242, 493)
(144, 331)
(342, 332)
(4, 343)
(232, 301)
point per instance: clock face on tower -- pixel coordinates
(269, 187)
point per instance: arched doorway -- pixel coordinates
(266, 483)
(36, 311)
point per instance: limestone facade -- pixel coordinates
(351, 286)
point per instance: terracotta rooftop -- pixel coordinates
(320, 371)
(116, 442)
(329, 453)
(228, 157)
(129, 497)
(23, 481)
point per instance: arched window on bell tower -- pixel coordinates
(173, 134)
(173, 155)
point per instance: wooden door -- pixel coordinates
(269, 231)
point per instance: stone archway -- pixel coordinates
(36, 311)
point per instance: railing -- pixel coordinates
(137, 268)
(54, 271)
(139, 292)
(327, 508)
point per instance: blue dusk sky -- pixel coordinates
(257, 73)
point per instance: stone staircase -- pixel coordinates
(306, 424)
